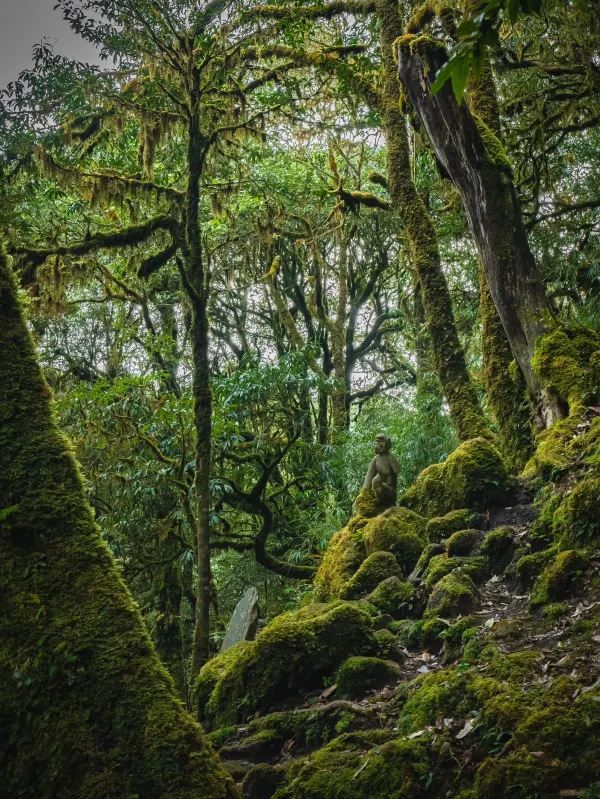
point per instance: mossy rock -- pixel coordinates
(358, 675)
(367, 505)
(577, 520)
(427, 633)
(262, 781)
(343, 556)
(498, 548)
(567, 362)
(475, 567)
(430, 552)
(293, 653)
(454, 595)
(473, 476)
(373, 570)
(399, 531)
(441, 527)
(393, 596)
(528, 567)
(389, 646)
(559, 578)
(351, 768)
(463, 542)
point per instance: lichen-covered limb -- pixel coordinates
(86, 708)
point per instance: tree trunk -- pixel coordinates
(473, 157)
(198, 290)
(504, 383)
(465, 410)
(168, 632)
(86, 708)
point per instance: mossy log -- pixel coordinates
(86, 708)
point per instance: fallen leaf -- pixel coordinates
(466, 730)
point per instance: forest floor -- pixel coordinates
(505, 620)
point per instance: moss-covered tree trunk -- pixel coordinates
(86, 708)
(504, 383)
(473, 157)
(465, 410)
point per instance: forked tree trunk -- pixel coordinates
(472, 156)
(86, 708)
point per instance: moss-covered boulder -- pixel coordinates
(373, 570)
(393, 596)
(262, 781)
(441, 527)
(363, 767)
(294, 653)
(498, 548)
(559, 578)
(463, 542)
(389, 646)
(473, 476)
(368, 505)
(343, 556)
(527, 567)
(358, 675)
(399, 531)
(475, 567)
(454, 595)
(577, 520)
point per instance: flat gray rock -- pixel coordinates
(244, 620)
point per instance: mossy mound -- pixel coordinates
(377, 567)
(389, 646)
(463, 542)
(361, 767)
(294, 653)
(528, 567)
(399, 531)
(440, 527)
(567, 362)
(577, 520)
(473, 476)
(343, 556)
(393, 596)
(262, 781)
(475, 567)
(367, 505)
(559, 578)
(498, 548)
(454, 595)
(358, 675)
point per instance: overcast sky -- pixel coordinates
(25, 22)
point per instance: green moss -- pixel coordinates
(399, 531)
(294, 652)
(441, 565)
(358, 675)
(351, 768)
(463, 542)
(393, 596)
(474, 475)
(440, 527)
(86, 708)
(493, 146)
(567, 362)
(577, 519)
(377, 567)
(528, 567)
(559, 578)
(262, 781)
(498, 547)
(455, 594)
(389, 646)
(343, 556)
(367, 504)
